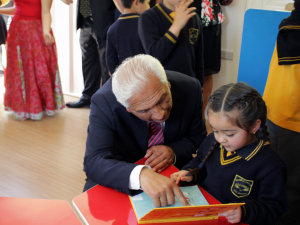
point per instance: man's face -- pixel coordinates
(154, 103)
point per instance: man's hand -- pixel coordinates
(162, 190)
(159, 157)
(68, 2)
(182, 16)
(233, 216)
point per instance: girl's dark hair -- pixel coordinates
(128, 3)
(246, 101)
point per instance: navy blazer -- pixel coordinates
(103, 14)
(116, 139)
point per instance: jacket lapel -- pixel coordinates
(140, 130)
(172, 124)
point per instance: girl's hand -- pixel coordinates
(181, 176)
(233, 216)
(49, 39)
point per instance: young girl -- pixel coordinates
(236, 162)
(32, 79)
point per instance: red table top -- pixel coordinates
(28, 211)
(102, 206)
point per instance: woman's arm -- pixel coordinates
(46, 20)
(8, 11)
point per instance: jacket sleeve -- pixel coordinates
(100, 163)
(112, 59)
(186, 146)
(199, 55)
(271, 203)
(155, 43)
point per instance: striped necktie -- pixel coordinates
(156, 136)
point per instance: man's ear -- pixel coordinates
(169, 84)
(256, 126)
(128, 110)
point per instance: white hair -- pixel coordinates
(134, 74)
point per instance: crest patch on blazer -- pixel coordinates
(193, 35)
(241, 187)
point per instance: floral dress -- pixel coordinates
(211, 13)
(32, 80)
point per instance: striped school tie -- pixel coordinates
(156, 136)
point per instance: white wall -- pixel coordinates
(232, 29)
(68, 48)
(69, 53)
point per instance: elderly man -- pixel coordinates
(143, 111)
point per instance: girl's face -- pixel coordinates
(230, 136)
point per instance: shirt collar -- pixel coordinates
(168, 11)
(251, 150)
(128, 16)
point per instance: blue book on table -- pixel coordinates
(143, 204)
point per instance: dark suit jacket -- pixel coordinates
(116, 139)
(103, 13)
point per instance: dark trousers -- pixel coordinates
(287, 145)
(93, 59)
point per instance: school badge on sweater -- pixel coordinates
(193, 35)
(241, 187)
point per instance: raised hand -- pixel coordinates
(182, 16)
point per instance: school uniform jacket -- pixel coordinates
(116, 139)
(123, 40)
(183, 54)
(255, 175)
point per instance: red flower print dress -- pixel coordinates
(211, 13)
(32, 81)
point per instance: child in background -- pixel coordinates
(282, 96)
(172, 33)
(123, 40)
(236, 162)
(211, 15)
(32, 79)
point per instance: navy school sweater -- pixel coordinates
(255, 175)
(123, 40)
(183, 54)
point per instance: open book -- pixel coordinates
(199, 208)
